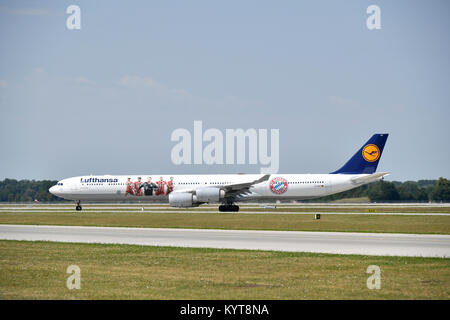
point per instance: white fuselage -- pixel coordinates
(276, 187)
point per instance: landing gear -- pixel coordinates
(228, 208)
(78, 207)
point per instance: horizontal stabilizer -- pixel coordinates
(369, 178)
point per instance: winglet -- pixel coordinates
(262, 179)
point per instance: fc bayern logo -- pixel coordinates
(278, 185)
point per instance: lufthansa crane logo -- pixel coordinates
(278, 185)
(371, 153)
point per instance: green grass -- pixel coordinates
(361, 200)
(343, 223)
(37, 270)
(361, 208)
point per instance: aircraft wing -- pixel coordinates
(242, 189)
(232, 189)
(240, 186)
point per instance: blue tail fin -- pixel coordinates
(366, 159)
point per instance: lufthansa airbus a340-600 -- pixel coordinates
(227, 189)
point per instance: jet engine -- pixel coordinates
(203, 195)
(183, 200)
(209, 194)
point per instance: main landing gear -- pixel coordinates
(78, 207)
(228, 208)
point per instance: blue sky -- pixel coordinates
(105, 99)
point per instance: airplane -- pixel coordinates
(184, 191)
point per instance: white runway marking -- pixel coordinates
(295, 241)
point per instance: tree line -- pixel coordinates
(414, 191)
(12, 190)
(396, 191)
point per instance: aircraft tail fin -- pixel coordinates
(365, 161)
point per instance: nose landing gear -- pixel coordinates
(78, 207)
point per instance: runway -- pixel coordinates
(293, 241)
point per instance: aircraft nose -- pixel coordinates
(52, 190)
